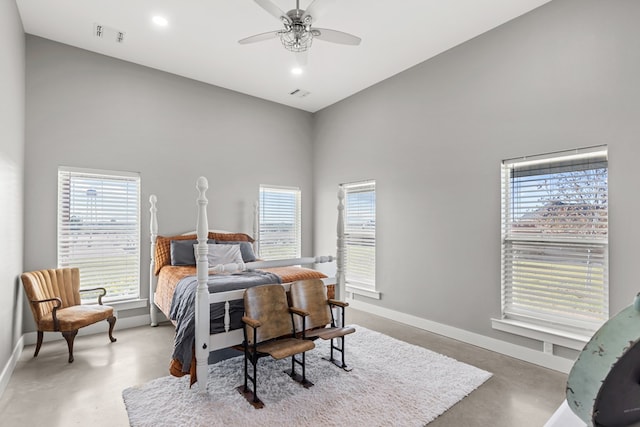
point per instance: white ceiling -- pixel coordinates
(201, 40)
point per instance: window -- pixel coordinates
(360, 238)
(99, 229)
(280, 229)
(555, 239)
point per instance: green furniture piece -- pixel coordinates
(603, 387)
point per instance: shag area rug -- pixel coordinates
(392, 383)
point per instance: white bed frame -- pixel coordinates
(204, 341)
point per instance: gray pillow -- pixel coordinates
(246, 249)
(182, 252)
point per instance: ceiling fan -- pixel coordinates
(298, 32)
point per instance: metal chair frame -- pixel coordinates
(252, 355)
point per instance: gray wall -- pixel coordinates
(92, 111)
(561, 77)
(12, 142)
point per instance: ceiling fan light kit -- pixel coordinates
(297, 38)
(298, 33)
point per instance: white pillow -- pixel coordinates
(224, 254)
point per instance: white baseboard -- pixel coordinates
(539, 358)
(7, 371)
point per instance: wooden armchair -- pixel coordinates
(311, 296)
(54, 298)
(269, 331)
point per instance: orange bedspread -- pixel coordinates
(169, 277)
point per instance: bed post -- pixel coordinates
(340, 285)
(256, 227)
(153, 280)
(202, 294)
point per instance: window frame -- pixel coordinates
(362, 238)
(127, 236)
(292, 250)
(571, 245)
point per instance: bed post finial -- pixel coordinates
(256, 227)
(202, 226)
(340, 249)
(202, 185)
(153, 223)
(153, 235)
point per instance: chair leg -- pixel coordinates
(39, 343)
(69, 336)
(344, 365)
(306, 383)
(302, 379)
(292, 374)
(112, 322)
(331, 352)
(246, 371)
(254, 380)
(331, 359)
(250, 395)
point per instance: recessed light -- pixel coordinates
(160, 21)
(296, 70)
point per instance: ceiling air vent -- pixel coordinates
(299, 93)
(108, 33)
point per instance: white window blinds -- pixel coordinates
(360, 234)
(99, 229)
(555, 240)
(280, 223)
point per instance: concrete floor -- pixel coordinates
(48, 391)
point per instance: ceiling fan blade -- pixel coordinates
(317, 9)
(259, 37)
(335, 36)
(274, 10)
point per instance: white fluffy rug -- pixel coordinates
(392, 383)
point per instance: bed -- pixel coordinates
(208, 304)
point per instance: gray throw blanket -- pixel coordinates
(183, 309)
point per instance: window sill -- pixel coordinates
(549, 336)
(128, 305)
(362, 291)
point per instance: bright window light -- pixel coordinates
(296, 71)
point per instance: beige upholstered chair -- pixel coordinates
(54, 298)
(269, 331)
(311, 296)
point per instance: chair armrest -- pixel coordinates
(301, 313)
(251, 322)
(102, 290)
(338, 303)
(333, 303)
(39, 301)
(58, 301)
(298, 311)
